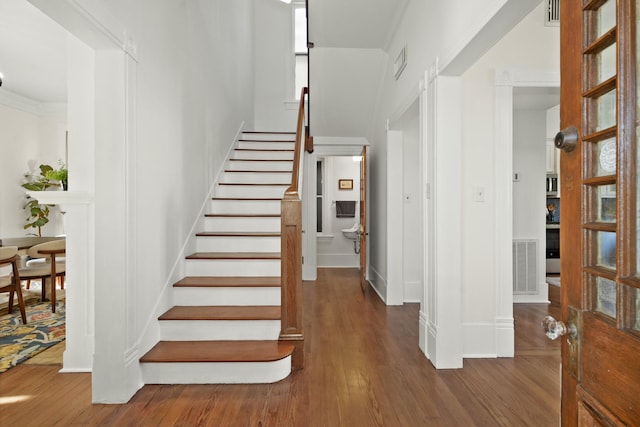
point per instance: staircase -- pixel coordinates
(225, 324)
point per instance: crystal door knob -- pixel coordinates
(555, 328)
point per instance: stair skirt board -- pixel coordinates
(240, 296)
(216, 372)
(247, 206)
(260, 165)
(219, 330)
(237, 243)
(242, 224)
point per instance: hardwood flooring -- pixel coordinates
(363, 368)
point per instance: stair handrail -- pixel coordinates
(291, 329)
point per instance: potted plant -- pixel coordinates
(38, 213)
(60, 175)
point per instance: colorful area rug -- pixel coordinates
(19, 342)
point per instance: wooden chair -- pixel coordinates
(11, 283)
(49, 269)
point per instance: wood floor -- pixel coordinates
(363, 368)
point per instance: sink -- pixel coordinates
(352, 233)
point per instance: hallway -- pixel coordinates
(363, 367)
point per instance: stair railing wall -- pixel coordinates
(291, 247)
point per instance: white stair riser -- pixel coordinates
(216, 373)
(257, 177)
(237, 244)
(242, 224)
(269, 136)
(255, 207)
(260, 166)
(219, 330)
(266, 145)
(232, 267)
(251, 191)
(195, 296)
(262, 155)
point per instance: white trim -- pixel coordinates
(31, 106)
(378, 283)
(479, 340)
(505, 79)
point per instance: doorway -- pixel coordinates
(405, 261)
(535, 122)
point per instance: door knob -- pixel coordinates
(567, 139)
(554, 329)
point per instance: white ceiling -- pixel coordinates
(33, 56)
(535, 98)
(363, 24)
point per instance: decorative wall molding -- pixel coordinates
(505, 79)
(31, 106)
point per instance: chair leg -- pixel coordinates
(53, 294)
(28, 284)
(23, 311)
(10, 306)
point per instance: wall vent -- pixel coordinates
(525, 267)
(552, 13)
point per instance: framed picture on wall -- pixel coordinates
(345, 184)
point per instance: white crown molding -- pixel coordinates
(31, 106)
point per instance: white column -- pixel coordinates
(444, 179)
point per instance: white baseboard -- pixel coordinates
(412, 291)
(378, 283)
(479, 340)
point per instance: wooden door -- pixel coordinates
(363, 220)
(600, 292)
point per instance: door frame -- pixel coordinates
(505, 79)
(323, 147)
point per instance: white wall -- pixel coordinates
(434, 34)
(27, 140)
(528, 45)
(529, 161)
(195, 80)
(335, 250)
(166, 113)
(275, 108)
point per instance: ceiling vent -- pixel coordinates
(552, 13)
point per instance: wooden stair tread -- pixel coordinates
(248, 198)
(278, 184)
(234, 255)
(229, 282)
(261, 312)
(236, 234)
(217, 351)
(265, 149)
(254, 171)
(239, 215)
(268, 132)
(285, 141)
(261, 160)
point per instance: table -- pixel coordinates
(26, 242)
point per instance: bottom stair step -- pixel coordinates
(216, 362)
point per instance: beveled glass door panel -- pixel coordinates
(606, 17)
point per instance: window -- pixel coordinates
(300, 50)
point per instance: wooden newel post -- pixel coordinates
(291, 276)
